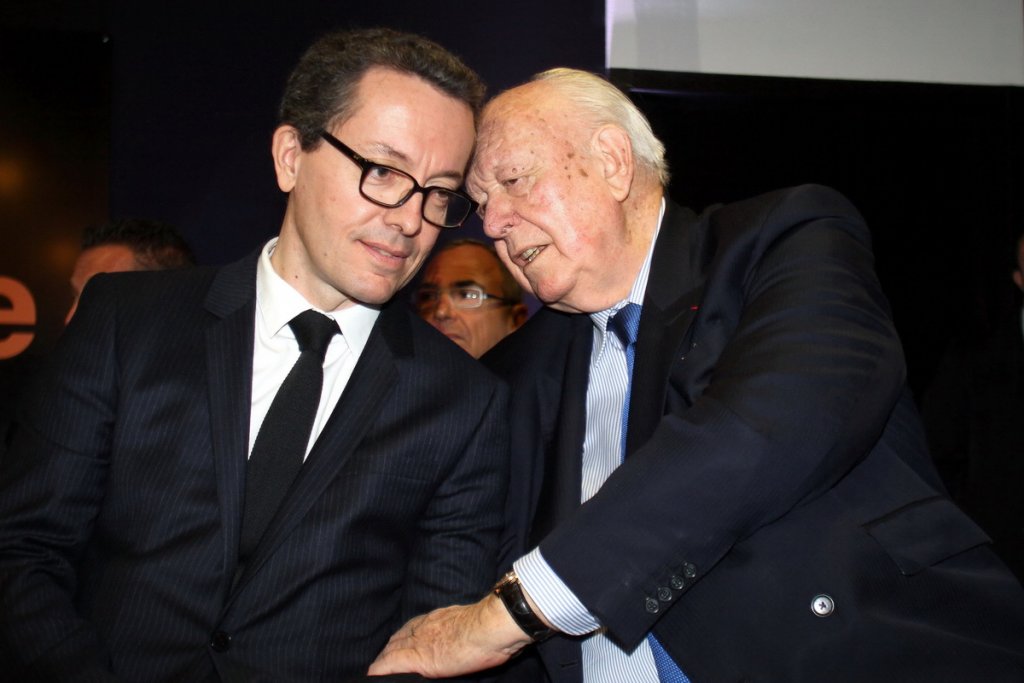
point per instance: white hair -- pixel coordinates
(604, 104)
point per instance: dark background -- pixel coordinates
(936, 170)
(165, 111)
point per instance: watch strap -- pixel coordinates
(510, 592)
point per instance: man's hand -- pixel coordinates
(453, 641)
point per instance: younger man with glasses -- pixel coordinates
(468, 295)
(257, 472)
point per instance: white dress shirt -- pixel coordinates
(276, 349)
(603, 660)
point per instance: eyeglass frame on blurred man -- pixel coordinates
(473, 302)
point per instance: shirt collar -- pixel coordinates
(636, 294)
(279, 302)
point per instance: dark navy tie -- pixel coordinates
(281, 442)
(625, 324)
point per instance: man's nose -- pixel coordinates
(444, 308)
(408, 217)
(498, 217)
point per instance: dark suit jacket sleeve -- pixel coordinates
(455, 555)
(51, 487)
(792, 367)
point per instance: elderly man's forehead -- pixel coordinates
(523, 125)
(537, 104)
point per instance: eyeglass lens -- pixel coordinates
(461, 297)
(386, 185)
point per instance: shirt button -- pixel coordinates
(651, 605)
(220, 642)
(822, 605)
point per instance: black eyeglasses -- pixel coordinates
(390, 187)
(465, 296)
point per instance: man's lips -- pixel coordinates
(386, 254)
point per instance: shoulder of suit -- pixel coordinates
(154, 285)
(788, 205)
(427, 344)
(542, 339)
(760, 220)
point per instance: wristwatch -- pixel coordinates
(509, 590)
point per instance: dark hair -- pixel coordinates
(322, 87)
(510, 289)
(157, 246)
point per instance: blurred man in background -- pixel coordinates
(112, 247)
(130, 244)
(468, 294)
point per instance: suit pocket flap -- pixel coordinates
(924, 533)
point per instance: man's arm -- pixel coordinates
(455, 556)
(51, 487)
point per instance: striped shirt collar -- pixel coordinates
(636, 294)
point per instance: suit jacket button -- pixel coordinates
(220, 642)
(822, 605)
(677, 582)
(689, 570)
(664, 594)
(651, 605)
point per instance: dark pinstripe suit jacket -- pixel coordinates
(774, 456)
(121, 497)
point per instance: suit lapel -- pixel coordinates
(229, 348)
(670, 305)
(563, 467)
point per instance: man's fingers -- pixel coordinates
(391, 663)
(450, 641)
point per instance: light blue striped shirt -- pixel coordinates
(603, 660)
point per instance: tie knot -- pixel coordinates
(313, 331)
(626, 323)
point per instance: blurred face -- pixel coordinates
(474, 329)
(104, 258)
(540, 179)
(336, 247)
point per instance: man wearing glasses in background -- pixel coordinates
(258, 472)
(469, 295)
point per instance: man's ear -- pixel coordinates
(519, 315)
(615, 152)
(286, 147)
